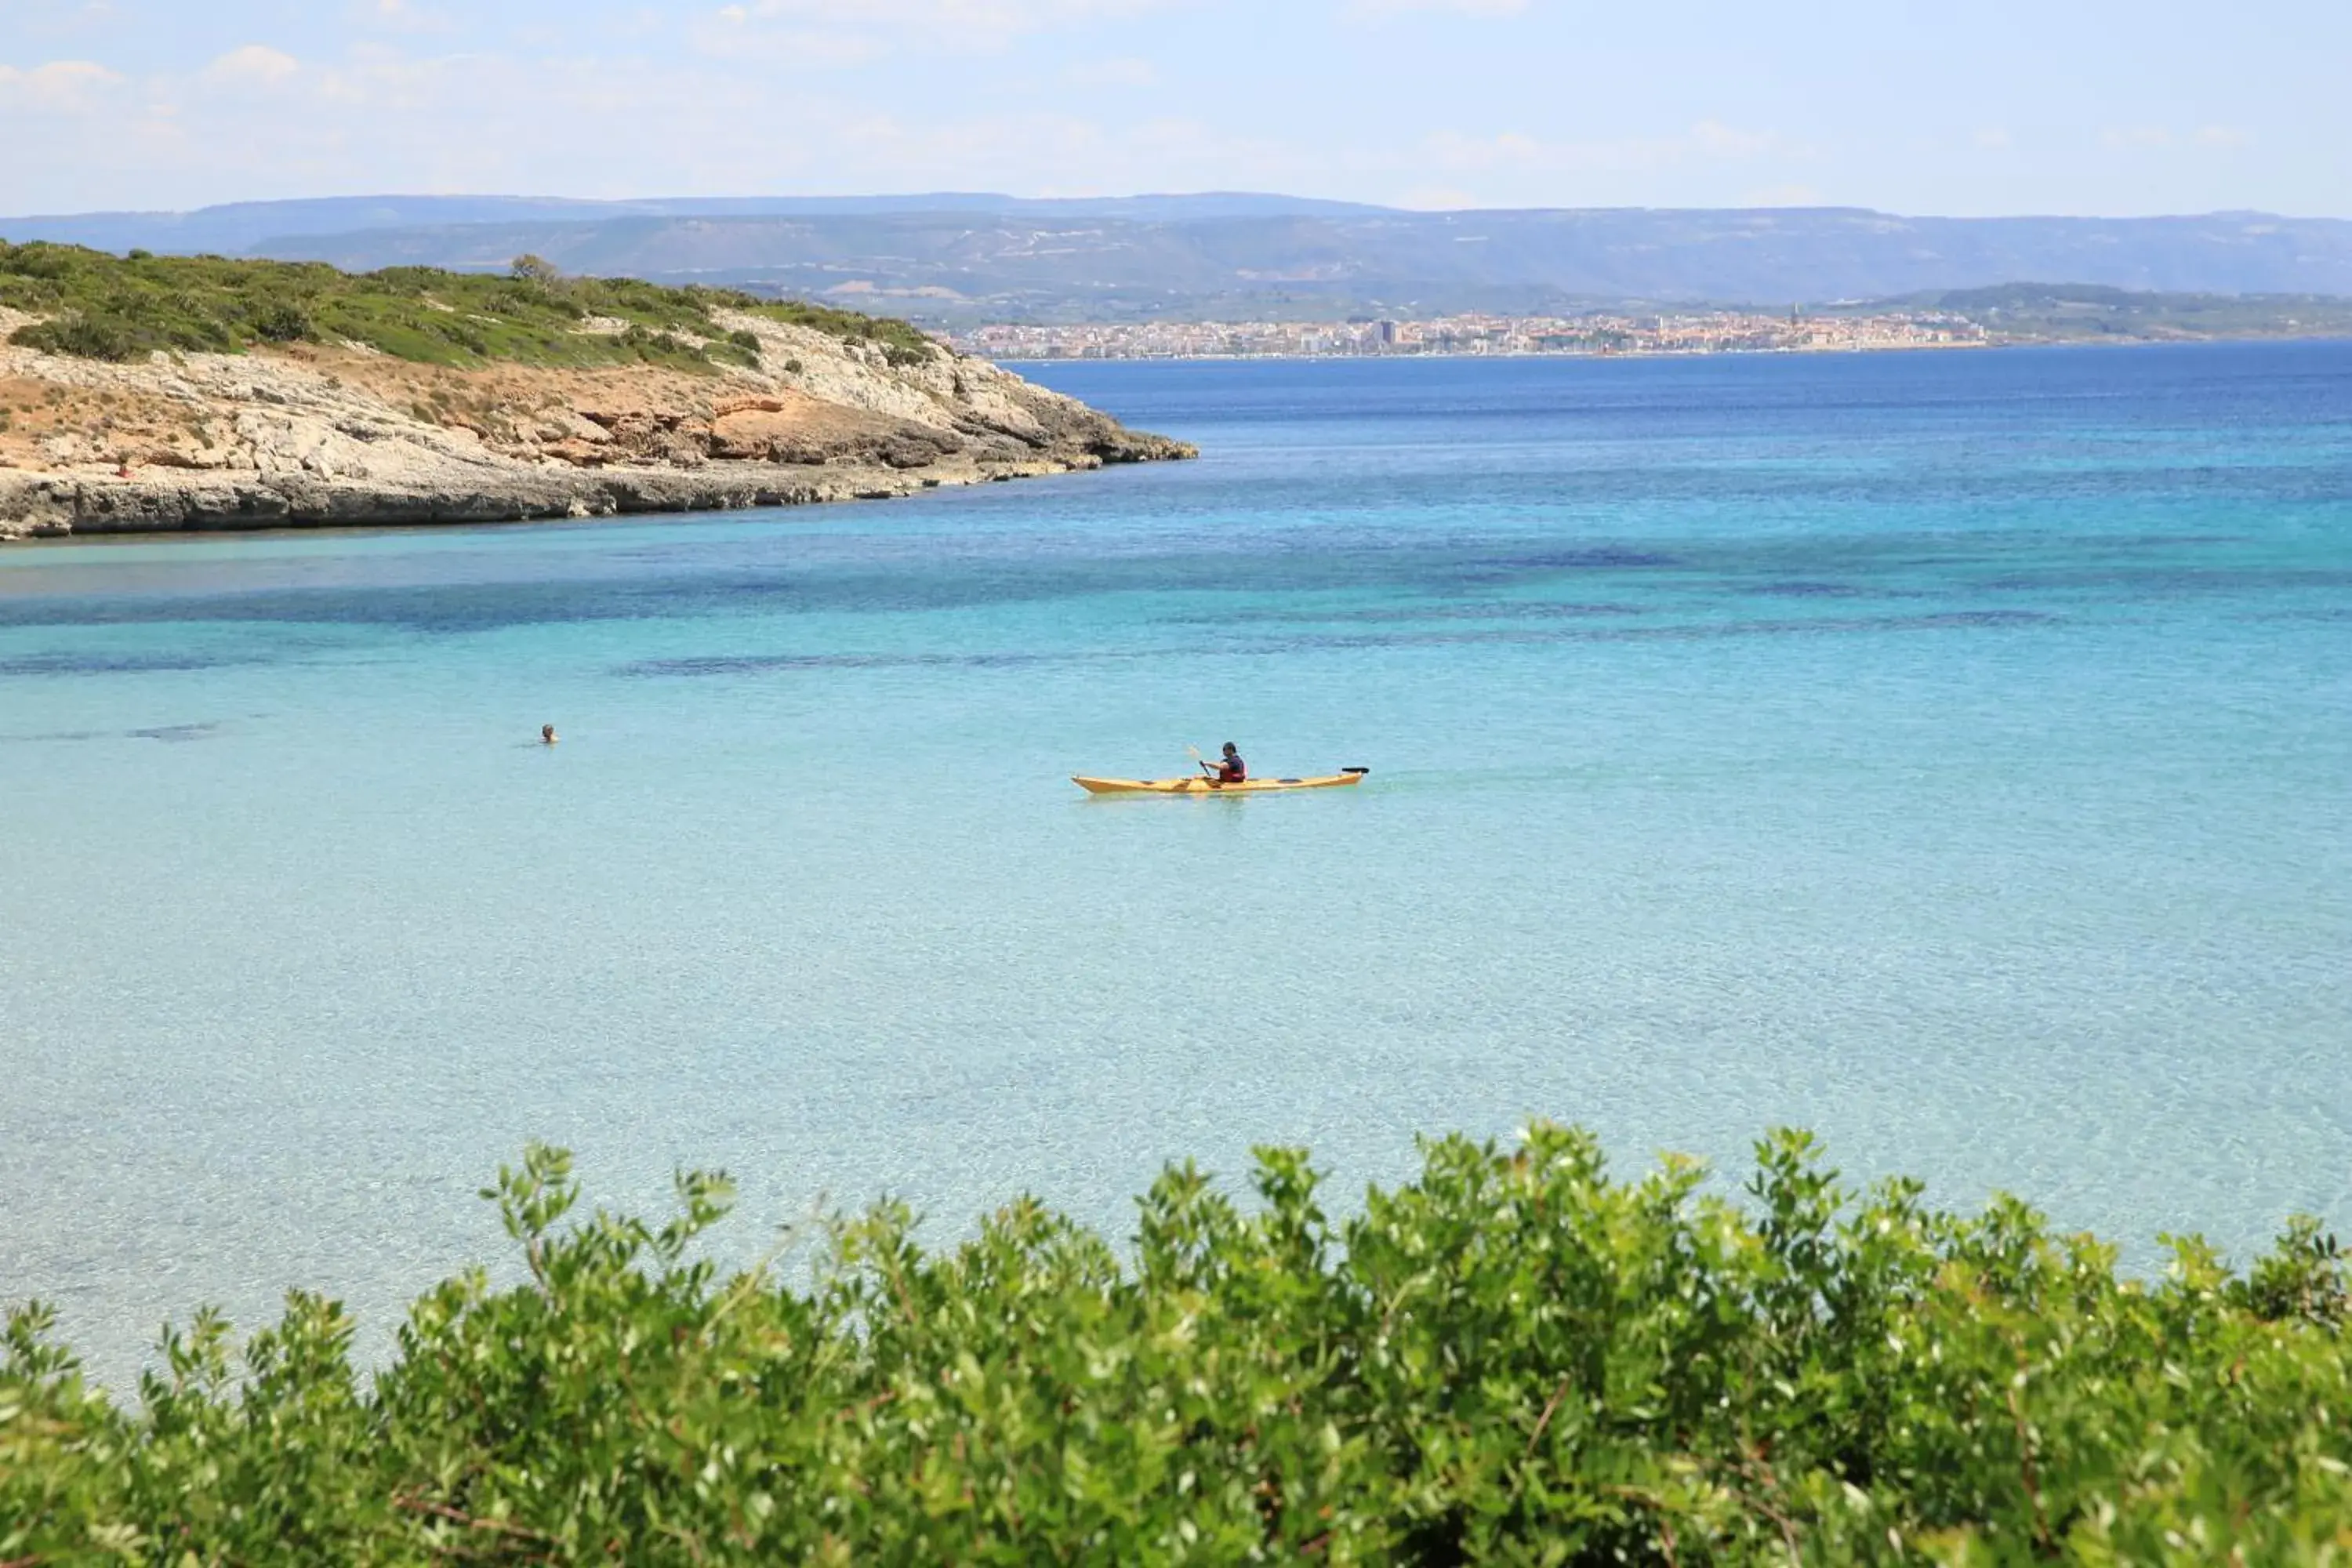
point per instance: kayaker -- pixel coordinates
(1229, 768)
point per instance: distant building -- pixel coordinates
(1601, 332)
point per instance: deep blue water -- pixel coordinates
(1946, 751)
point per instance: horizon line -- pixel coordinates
(1341, 205)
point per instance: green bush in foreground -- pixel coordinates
(97, 306)
(1513, 1358)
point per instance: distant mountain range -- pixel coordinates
(239, 227)
(955, 258)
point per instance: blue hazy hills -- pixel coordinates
(966, 256)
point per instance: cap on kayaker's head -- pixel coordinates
(1230, 748)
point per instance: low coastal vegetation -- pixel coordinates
(1513, 1358)
(94, 305)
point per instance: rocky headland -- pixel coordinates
(308, 432)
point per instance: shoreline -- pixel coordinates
(37, 509)
(1688, 354)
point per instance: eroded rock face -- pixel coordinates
(307, 435)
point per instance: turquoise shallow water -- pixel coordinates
(1946, 752)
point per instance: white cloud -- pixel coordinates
(1026, 15)
(1993, 139)
(1708, 140)
(384, 79)
(1086, 157)
(59, 86)
(380, 117)
(60, 18)
(733, 34)
(990, 24)
(1456, 150)
(1453, 7)
(1125, 72)
(253, 63)
(400, 16)
(2162, 138)
(1713, 139)
(1783, 197)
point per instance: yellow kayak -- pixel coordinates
(1200, 785)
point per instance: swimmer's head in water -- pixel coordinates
(547, 732)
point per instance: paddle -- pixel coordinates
(1197, 756)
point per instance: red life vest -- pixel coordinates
(1232, 771)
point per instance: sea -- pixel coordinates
(1949, 754)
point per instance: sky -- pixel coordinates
(1993, 107)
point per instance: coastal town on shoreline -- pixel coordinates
(1685, 333)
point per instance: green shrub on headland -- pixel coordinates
(97, 306)
(1513, 1358)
